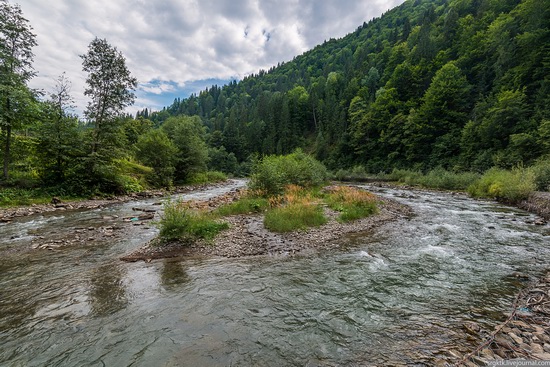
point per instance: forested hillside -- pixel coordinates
(462, 84)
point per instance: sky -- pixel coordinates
(179, 47)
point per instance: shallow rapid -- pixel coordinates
(398, 295)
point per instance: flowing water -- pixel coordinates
(396, 295)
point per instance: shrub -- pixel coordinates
(273, 173)
(440, 178)
(541, 170)
(207, 177)
(507, 185)
(407, 177)
(179, 223)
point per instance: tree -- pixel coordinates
(59, 139)
(157, 151)
(188, 135)
(442, 116)
(16, 57)
(110, 87)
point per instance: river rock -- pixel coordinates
(472, 327)
(146, 216)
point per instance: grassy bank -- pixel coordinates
(29, 192)
(507, 185)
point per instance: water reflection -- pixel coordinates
(107, 290)
(173, 274)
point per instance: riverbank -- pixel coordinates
(248, 237)
(538, 203)
(57, 205)
(525, 334)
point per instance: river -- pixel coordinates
(398, 295)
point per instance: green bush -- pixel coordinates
(207, 177)
(179, 223)
(507, 185)
(273, 173)
(407, 177)
(440, 178)
(541, 170)
(294, 217)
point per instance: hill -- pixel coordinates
(462, 84)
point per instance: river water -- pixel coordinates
(398, 295)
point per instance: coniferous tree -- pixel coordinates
(16, 57)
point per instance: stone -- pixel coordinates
(516, 338)
(536, 348)
(542, 356)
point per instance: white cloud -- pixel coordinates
(175, 42)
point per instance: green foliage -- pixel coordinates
(438, 178)
(221, 160)
(157, 151)
(17, 101)
(510, 186)
(207, 177)
(273, 173)
(179, 223)
(245, 205)
(188, 135)
(294, 217)
(352, 203)
(458, 84)
(541, 170)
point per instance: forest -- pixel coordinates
(458, 85)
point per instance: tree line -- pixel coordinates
(457, 84)
(44, 144)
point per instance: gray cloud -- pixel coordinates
(178, 42)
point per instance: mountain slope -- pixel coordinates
(462, 84)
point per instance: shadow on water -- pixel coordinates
(173, 274)
(107, 290)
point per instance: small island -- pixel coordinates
(286, 210)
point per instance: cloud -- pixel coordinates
(168, 44)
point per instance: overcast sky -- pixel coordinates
(178, 47)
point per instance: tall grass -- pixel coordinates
(297, 209)
(352, 203)
(437, 178)
(179, 223)
(245, 205)
(292, 217)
